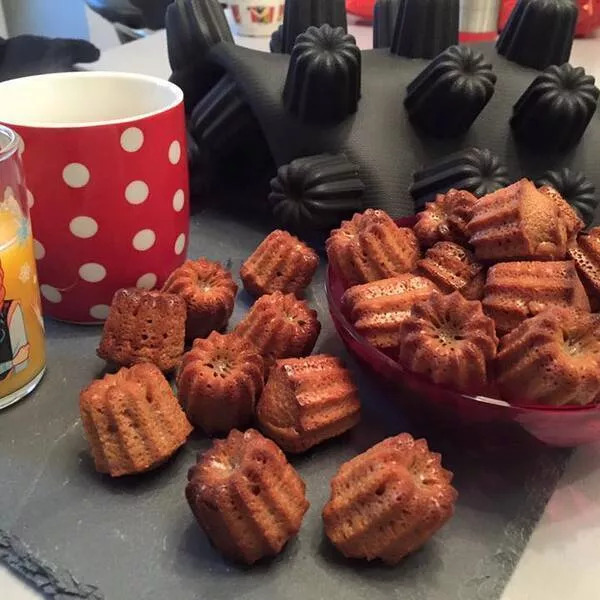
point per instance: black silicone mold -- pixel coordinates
(194, 26)
(276, 43)
(199, 167)
(320, 111)
(316, 192)
(323, 79)
(299, 15)
(539, 33)
(222, 118)
(477, 170)
(449, 94)
(554, 112)
(575, 188)
(193, 152)
(385, 14)
(424, 28)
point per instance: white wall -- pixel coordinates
(53, 18)
(102, 33)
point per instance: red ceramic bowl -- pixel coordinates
(554, 426)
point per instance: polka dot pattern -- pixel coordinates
(38, 250)
(92, 272)
(132, 139)
(174, 152)
(100, 311)
(178, 200)
(83, 227)
(124, 203)
(147, 281)
(180, 244)
(51, 293)
(76, 175)
(137, 192)
(144, 240)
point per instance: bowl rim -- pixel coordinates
(340, 318)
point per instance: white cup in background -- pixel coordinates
(256, 17)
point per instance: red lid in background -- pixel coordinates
(587, 23)
(589, 17)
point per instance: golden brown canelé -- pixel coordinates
(389, 501)
(144, 326)
(280, 263)
(517, 222)
(453, 268)
(585, 253)
(132, 420)
(450, 341)
(219, 382)
(371, 247)
(552, 359)
(445, 219)
(376, 309)
(280, 326)
(516, 291)
(209, 293)
(246, 496)
(307, 401)
(572, 221)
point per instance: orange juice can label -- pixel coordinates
(22, 350)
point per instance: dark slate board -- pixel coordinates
(136, 538)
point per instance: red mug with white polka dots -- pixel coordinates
(106, 173)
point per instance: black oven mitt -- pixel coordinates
(33, 55)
